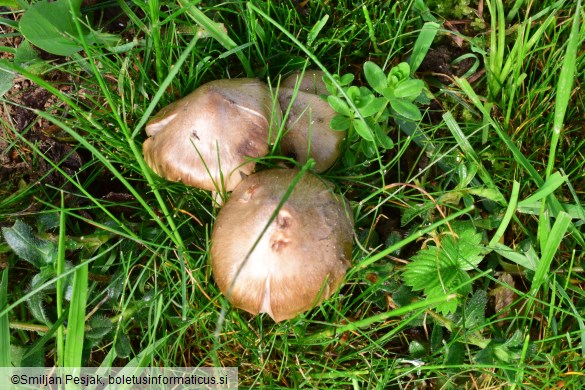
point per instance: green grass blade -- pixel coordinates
(60, 268)
(549, 249)
(314, 33)
(412, 237)
(76, 320)
(564, 87)
(550, 185)
(469, 152)
(422, 45)
(510, 210)
(217, 33)
(371, 31)
(554, 203)
(4, 324)
(576, 313)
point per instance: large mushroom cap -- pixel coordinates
(207, 138)
(301, 258)
(308, 132)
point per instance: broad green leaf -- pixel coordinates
(442, 270)
(36, 305)
(25, 54)
(475, 309)
(383, 139)
(51, 27)
(406, 109)
(488, 193)
(6, 79)
(375, 76)
(516, 257)
(354, 94)
(27, 246)
(466, 249)
(409, 89)
(417, 350)
(346, 79)
(340, 122)
(373, 106)
(368, 148)
(122, 346)
(10, 4)
(99, 326)
(361, 127)
(339, 105)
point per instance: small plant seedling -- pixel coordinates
(367, 113)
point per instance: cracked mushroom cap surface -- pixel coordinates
(207, 138)
(302, 257)
(308, 132)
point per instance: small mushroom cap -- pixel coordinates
(311, 82)
(207, 138)
(302, 257)
(309, 133)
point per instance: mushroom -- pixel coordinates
(309, 134)
(208, 138)
(301, 257)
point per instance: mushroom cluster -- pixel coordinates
(267, 256)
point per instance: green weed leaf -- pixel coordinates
(51, 27)
(99, 327)
(340, 122)
(466, 251)
(27, 246)
(373, 106)
(122, 346)
(475, 309)
(11, 4)
(406, 109)
(6, 79)
(398, 73)
(339, 105)
(438, 270)
(375, 76)
(409, 89)
(363, 130)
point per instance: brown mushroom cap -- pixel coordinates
(302, 257)
(311, 82)
(207, 138)
(308, 131)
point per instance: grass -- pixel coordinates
(119, 258)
